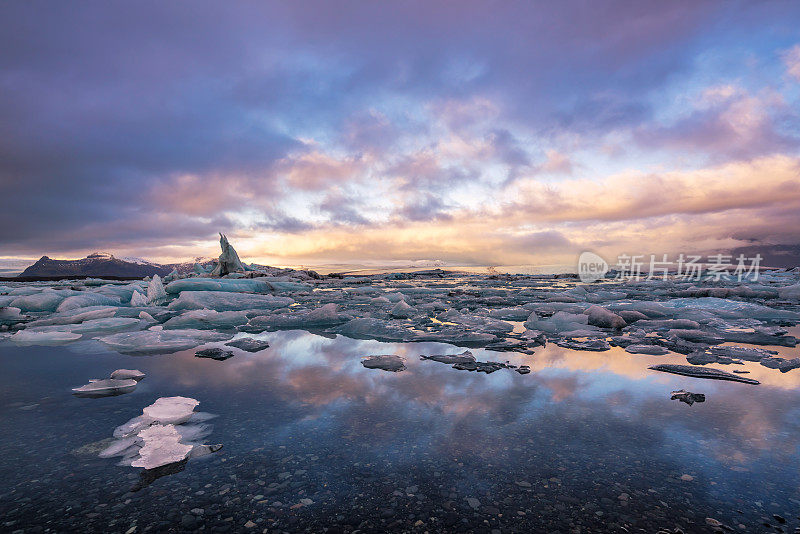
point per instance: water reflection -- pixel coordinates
(538, 450)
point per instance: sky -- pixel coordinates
(473, 133)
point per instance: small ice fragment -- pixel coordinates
(387, 362)
(214, 354)
(687, 396)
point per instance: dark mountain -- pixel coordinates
(99, 264)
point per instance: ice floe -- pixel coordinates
(161, 341)
(105, 387)
(386, 362)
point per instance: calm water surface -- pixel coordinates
(588, 442)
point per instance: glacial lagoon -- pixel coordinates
(312, 439)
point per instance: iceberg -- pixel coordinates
(229, 261)
(155, 291)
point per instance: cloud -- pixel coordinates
(436, 132)
(791, 58)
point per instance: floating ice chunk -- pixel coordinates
(654, 310)
(227, 301)
(105, 326)
(742, 353)
(161, 341)
(155, 291)
(559, 322)
(667, 324)
(162, 446)
(214, 353)
(596, 345)
(781, 364)
(464, 357)
(368, 328)
(207, 320)
(171, 410)
(46, 337)
(10, 315)
(46, 301)
(324, 316)
(105, 388)
(652, 350)
(697, 336)
(249, 344)
(789, 292)
(458, 335)
(483, 324)
(86, 299)
(244, 285)
(733, 308)
(387, 362)
(128, 374)
(687, 396)
(403, 310)
(144, 316)
(229, 261)
(631, 316)
(599, 316)
(137, 299)
(173, 275)
(77, 315)
(510, 314)
(701, 372)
